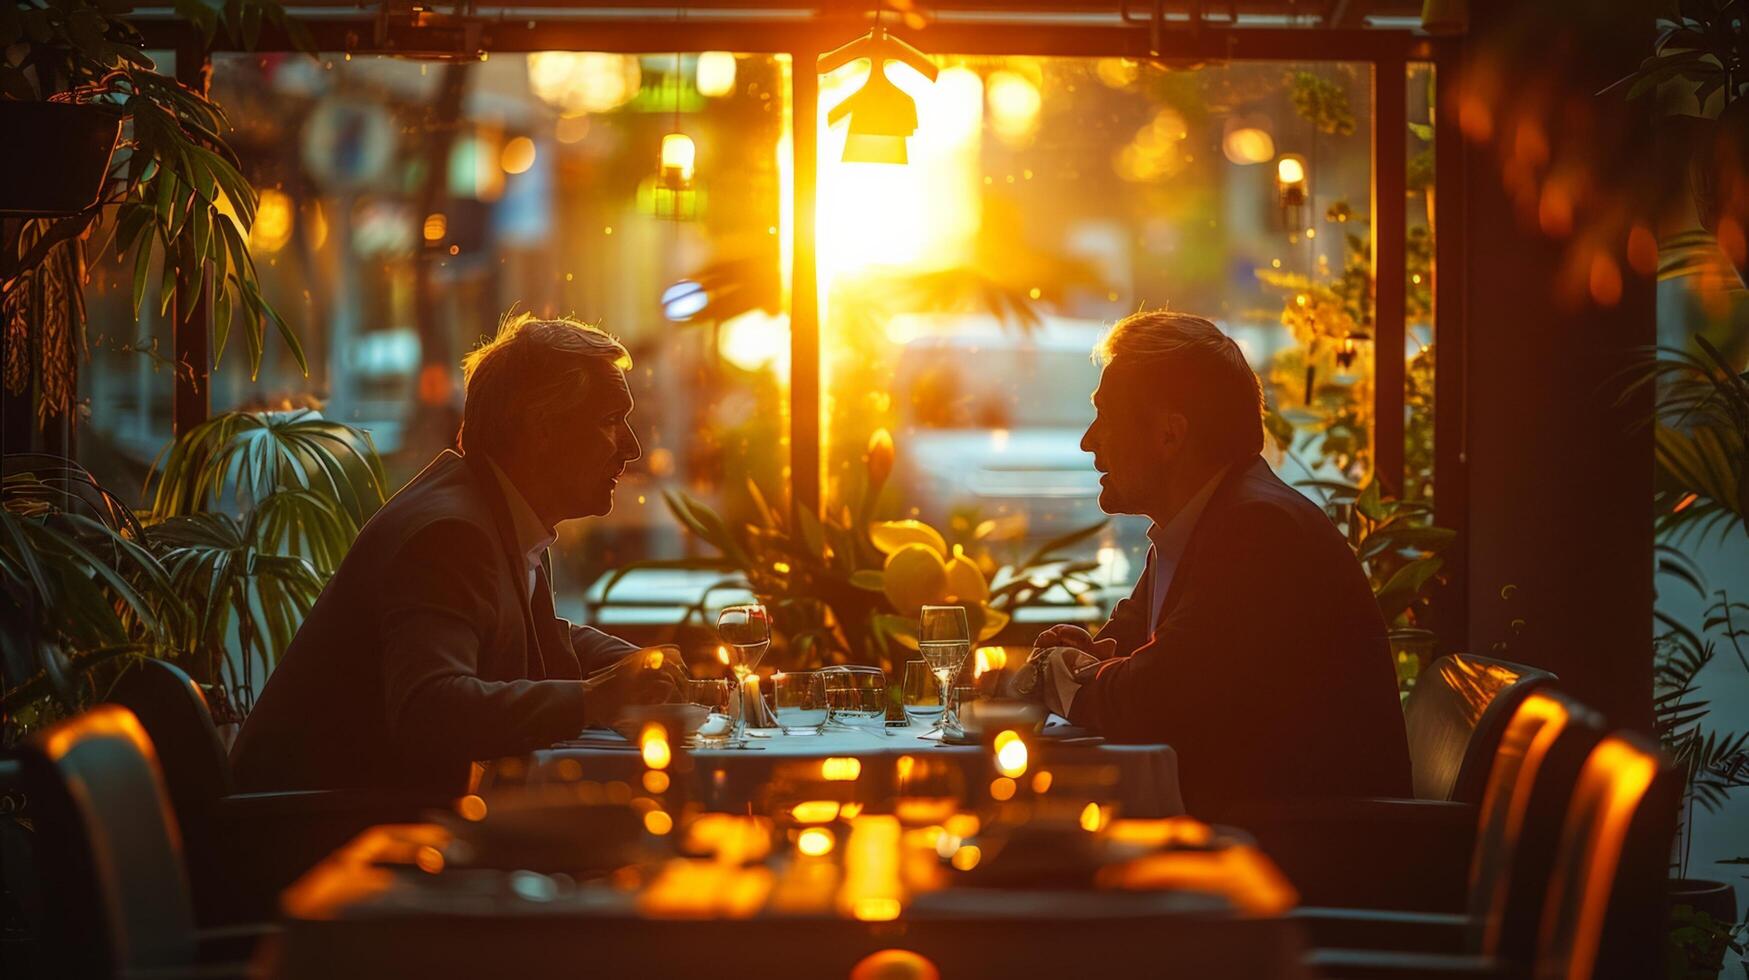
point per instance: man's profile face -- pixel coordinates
(589, 448)
(1131, 442)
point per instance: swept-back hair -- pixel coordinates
(1200, 372)
(531, 370)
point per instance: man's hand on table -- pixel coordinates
(653, 675)
(1062, 658)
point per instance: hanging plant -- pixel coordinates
(172, 195)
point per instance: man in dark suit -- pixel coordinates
(436, 643)
(1252, 643)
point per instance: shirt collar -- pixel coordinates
(532, 537)
(1170, 540)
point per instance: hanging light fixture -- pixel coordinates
(673, 195)
(882, 117)
(678, 156)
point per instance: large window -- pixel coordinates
(407, 205)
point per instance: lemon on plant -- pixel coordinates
(890, 536)
(915, 574)
(965, 581)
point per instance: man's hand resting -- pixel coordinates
(653, 675)
(1068, 635)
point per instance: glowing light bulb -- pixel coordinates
(678, 158)
(1290, 170)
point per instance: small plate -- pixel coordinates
(681, 720)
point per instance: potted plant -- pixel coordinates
(1704, 919)
(250, 514)
(845, 588)
(1696, 74)
(73, 73)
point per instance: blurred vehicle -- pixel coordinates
(990, 419)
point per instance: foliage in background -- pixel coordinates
(1701, 440)
(250, 515)
(846, 588)
(1324, 384)
(78, 588)
(175, 189)
(1715, 762)
(1395, 540)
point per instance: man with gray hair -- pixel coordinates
(1252, 643)
(436, 643)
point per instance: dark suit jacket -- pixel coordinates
(423, 653)
(1268, 672)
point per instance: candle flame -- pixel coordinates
(1010, 754)
(653, 743)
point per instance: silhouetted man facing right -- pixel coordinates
(1252, 643)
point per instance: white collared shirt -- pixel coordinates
(1170, 541)
(532, 538)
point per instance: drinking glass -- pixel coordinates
(715, 693)
(857, 698)
(944, 640)
(921, 694)
(746, 634)
(802, 707)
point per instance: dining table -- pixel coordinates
(1141, 780)
(597, 857)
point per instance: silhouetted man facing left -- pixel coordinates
(1252, 643)
(436, 643)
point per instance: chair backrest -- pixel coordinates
(1455, 716)
(1542, 749)
(116, 897)
(171, 707)
(1605, 914)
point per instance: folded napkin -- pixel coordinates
(1054, 676)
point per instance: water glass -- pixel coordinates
(857, 697)
(921, 694)
(717, 694)
(800, 696)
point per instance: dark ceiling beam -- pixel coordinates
(357, 35)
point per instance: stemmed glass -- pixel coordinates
(746, 634)
(945, 641)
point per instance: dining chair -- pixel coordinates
(242, 849)
(1603, 917)
(1455, 717)
(1536, 767)
(115, 895)
(1454, 720)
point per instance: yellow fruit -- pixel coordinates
(990, 622)
(915, 574)
(890, 536)
(965, 582)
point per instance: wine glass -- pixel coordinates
(800, 696)
(746, 634)
(945, 641)
(920, 694)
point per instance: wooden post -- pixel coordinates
(1450, 604)
(804, 334)
(1389, 260)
